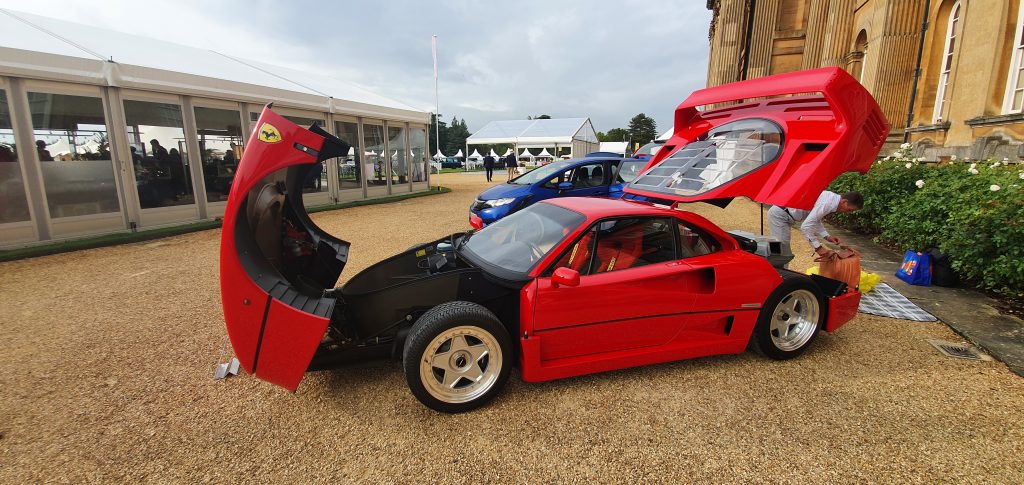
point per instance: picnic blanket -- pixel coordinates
(887, 302)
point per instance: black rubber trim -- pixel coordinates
(660, 315)
(259, 342)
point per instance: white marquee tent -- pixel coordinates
(41, 47)
(577, 134)
(619, 147)
(58, 58)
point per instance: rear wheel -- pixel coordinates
(790, 319)
(457, 357)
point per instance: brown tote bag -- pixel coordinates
(843, 265)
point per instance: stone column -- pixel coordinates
(838, 38)
(814, 42)
(727, 41)
(766, 12)
(889, 61)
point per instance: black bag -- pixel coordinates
(943, 273)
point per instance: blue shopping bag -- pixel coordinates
(916, 268)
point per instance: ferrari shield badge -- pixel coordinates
(269, 134)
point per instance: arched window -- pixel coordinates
(860, 56)
(947, 62)
(1014, 101)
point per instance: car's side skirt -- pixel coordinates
(703, 334)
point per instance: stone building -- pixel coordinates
(948, 74)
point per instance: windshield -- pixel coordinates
(722, 155)
(649, 149)
(519, 241)
(543, 173)
(629, 169)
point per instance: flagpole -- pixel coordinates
(437, 109)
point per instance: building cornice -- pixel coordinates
(995, 120)
(923, 128)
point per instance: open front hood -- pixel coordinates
(793, 136)
(275, 263)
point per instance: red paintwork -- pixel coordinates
(476, 221)
(290, 336)
(687, 308)
(565, 276)
(843, 115)
(642, 315)
(842, 309)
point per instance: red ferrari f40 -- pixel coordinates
(567, 286)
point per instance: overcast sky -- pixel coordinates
(498, 60)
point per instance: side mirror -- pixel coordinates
(565, 186)
(565, 276)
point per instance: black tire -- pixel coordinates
(476, 326)
(800, 291)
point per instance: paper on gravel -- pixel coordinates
(226, 369)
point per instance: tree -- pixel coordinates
(441, 131)
(617, 134)
(642, 129)
(458, 131)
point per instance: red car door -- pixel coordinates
(633, 291)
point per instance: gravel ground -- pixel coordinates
(108, 357)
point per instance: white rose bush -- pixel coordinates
(973, 210)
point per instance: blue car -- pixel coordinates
(580, 177)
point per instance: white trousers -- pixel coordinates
(780, 224)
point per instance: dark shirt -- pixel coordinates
(488, 162)
(160, 153)
(510, 161)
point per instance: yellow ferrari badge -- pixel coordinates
(269, 134)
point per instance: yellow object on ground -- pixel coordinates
(867, 280)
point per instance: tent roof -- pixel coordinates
(614, 146)
(544, 153)
(548, 131)
(45, 48)
(476, 154)
(666, 135)
(526, 153)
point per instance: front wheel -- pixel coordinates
(790, 319)
(457, 357)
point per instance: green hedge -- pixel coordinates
(972, 210)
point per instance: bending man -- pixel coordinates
(780, 219)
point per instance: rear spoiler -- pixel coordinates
(848, 100)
